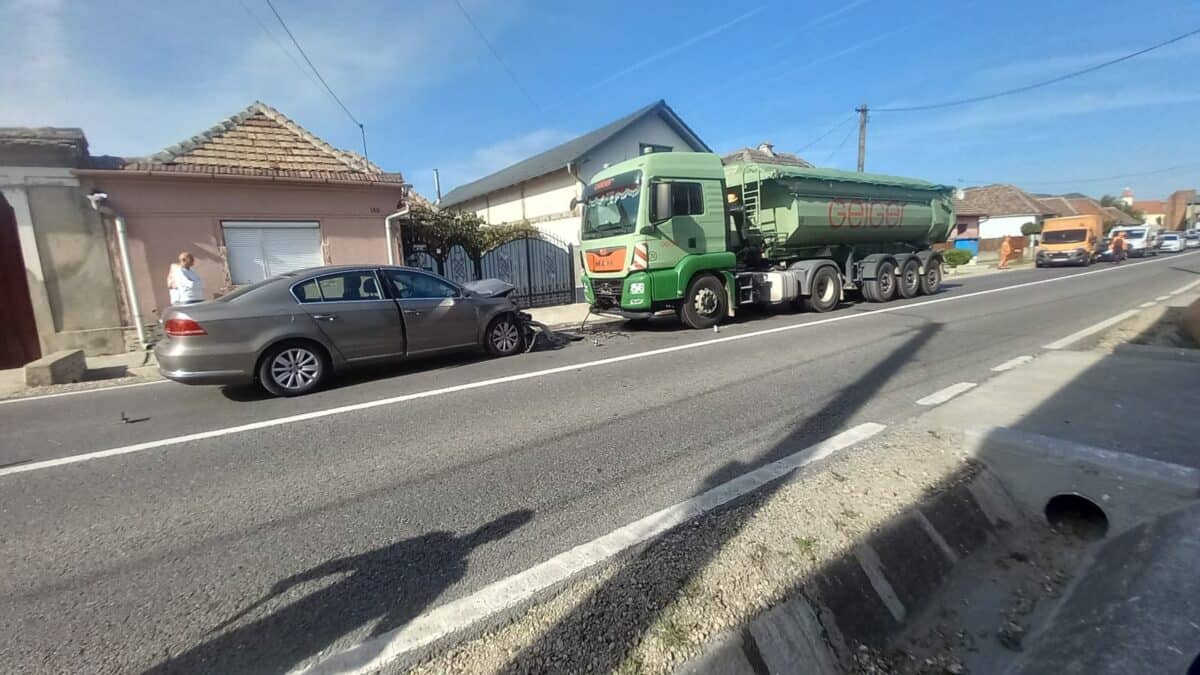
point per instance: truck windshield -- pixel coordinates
(610, 206)
(1063, 236)
(1134, 234)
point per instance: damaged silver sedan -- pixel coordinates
(292, 332)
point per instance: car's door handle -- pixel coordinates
(324, 317)
(413, 312)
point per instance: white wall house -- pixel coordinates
(1000, 210)
(538, 190)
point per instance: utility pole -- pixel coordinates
(437, 186)
(862, 136)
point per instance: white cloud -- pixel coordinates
(137, 79)
(492, 158)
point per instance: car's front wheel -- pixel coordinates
(504, 336)
(293, 369)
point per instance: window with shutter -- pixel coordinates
(260, 250)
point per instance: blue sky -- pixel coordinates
(138, 76)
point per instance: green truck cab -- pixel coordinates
(681, 231)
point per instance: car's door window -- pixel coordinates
(414, 285)
(349, 286)
(308, 291)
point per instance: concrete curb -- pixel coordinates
(865, 596)
(1191, 321)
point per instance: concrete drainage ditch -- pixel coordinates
(1041, 556)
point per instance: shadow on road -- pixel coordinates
(388, 586)
(597, 644)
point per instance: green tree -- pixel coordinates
(1031, 228)
(1109, 200)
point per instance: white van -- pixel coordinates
(1140, 240)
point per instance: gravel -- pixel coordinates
(652, 611)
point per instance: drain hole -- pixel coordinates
(1078, 516)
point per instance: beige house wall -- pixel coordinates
(166, 215)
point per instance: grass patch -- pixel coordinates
(672, 635)
(806, 545)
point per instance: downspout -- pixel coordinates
(387, 229)
(135, 309)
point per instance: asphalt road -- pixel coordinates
(254, 549)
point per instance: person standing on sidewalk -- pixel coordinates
(1006, 250)
(187, 286)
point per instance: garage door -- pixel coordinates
(260, 250)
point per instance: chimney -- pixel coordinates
(1127, 197)
(767, 148)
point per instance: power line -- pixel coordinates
(361, 129)
(286, 52)
(495, 54)
(1018, 90)
(840, 145)
(828, 131)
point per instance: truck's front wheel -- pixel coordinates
(883, 286)
(704, 303)
(826, 291)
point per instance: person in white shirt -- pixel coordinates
(186, 286)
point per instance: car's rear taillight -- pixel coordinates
(180, 326)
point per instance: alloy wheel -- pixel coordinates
(505, 336)
(295, 368)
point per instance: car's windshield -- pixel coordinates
(610, 206)
(1134, 234)
(1170, 237)
(1063, 236)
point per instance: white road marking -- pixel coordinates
(1185, 288)
(496, 597)
(1161, 298)
(26, 399)
(1012, 363)
(366, 405)
(1145, 305)
(941, 396)
(1090, 330)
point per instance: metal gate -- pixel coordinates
(540, 266)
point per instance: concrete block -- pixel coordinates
(861, 615)
(57, 368)
(725, 654)
(1191, 321)
(911, 560)
(790, 640)
(1129, 488)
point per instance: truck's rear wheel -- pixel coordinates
(910, 278)
(826, 291)
(704, 303)
(931, 281)
(883, 286)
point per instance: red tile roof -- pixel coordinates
(261, 141)
(1151, 206)
(999, 200)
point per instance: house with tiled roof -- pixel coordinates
(538, 190)
(251, 197)
(995, 211)
(765, 153)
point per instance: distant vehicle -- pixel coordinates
(1073, 240)
(290, 333)
(1191, 239)
(1170, 242)
(1140, 240)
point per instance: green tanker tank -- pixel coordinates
(798, 210)
(681, 231)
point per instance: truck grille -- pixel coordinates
(608, 291)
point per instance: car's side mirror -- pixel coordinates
(574, 202)
(660, 202)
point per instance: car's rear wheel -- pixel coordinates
(504, 336)
(293, 369)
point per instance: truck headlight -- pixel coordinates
(637, 288)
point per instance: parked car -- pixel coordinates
(292, 332)
(1170, 242)
(1140, 240)
(1191, 239)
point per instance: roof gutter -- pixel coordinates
(139, 173)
